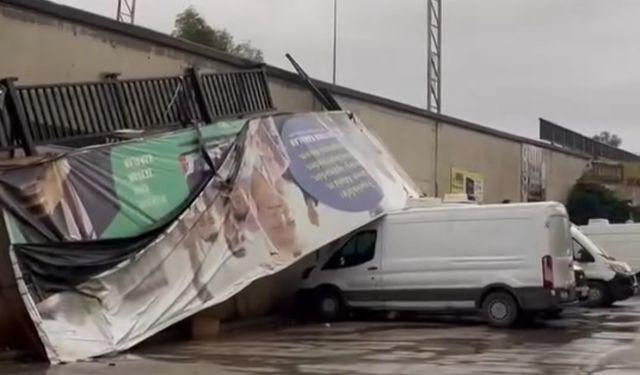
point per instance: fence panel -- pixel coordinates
(237, 93)
(82, 113)
(564, 137)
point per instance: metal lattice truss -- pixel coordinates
(434, 49)
(126, 11)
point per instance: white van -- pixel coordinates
(621, 241)
(503, 260)
(609, 280)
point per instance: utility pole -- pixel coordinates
(126, 11)
(335, 37)
(434, 55)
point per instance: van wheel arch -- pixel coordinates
(500, 307)
(497, 288)
(328, 287)
(329, 291)
(605, 298)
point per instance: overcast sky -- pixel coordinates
(505, 64)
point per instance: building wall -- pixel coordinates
(498, 160)
(562, 172)
(411, 139)
(39, 49)
(47, 50)
(290, 97)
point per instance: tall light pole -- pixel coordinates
(335, 37)
(434, 55)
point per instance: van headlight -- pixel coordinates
(618, 268)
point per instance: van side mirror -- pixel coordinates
(584, 256)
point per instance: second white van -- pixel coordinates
(621, 241)
(609, 280)
(506, 261)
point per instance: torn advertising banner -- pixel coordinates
(469, 183)
(534, 176)
(115, 191)
(115, 243)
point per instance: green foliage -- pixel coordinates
(608, 138)
(587, 201)
(190, 25)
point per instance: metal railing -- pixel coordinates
(62, 113)
(5, 127)
(571, 140)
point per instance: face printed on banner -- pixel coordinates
(272, 155)
(239, 203)
(52, 199)
(208, 225)
(234, 236)
(274, 214)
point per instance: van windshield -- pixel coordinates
(591, 246)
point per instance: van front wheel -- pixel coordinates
(500, 309)
(599, 295)
(329, 306)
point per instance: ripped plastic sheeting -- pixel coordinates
(285, 186)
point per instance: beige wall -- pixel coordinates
(411, 139)
(498, 160)
(40, 49)
(289, 97)
(562, 172)
(43, 50)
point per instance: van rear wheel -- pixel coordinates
(500, 309)
(329, 305)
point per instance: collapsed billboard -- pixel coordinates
(112, 244)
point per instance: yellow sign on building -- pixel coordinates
(466, 182)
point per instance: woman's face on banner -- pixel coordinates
(273, 213)
(239, 203)
(208, 225)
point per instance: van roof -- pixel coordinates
(550, 206)
(626, 228)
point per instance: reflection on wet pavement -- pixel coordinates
(601, 342)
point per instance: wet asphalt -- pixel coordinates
(583, 341)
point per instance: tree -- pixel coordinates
(589, 201)
(190, 25)
(608, 139)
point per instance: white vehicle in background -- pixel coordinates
(505, 261)
(622, 241)
(609, 280)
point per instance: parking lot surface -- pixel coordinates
(600, 342)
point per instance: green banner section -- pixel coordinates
(154, 177)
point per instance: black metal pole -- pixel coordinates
(335, 38)
(17, 117)
(120, 101)
(321, 96)
(198, 90)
